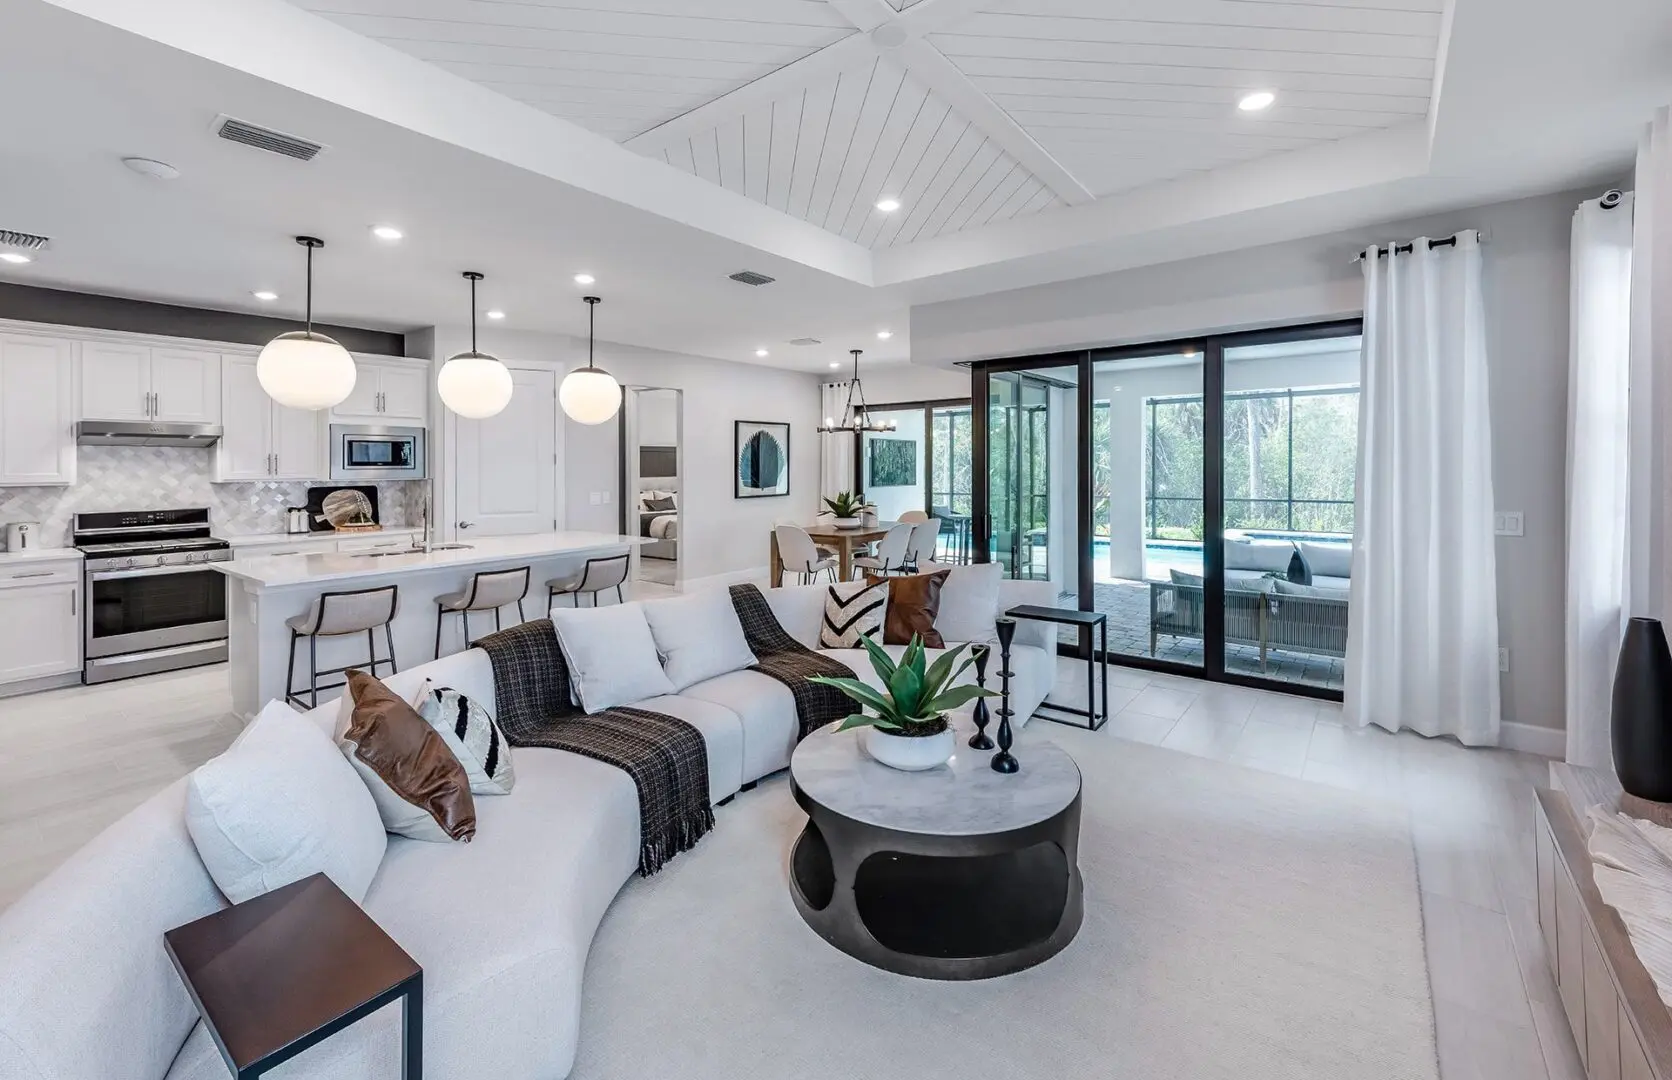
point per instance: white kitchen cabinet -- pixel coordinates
(264, 440)
(387, 392)
(141, 383)
(37, 411)
(40, 620)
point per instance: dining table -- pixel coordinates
(844, 540)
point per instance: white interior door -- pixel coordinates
(506, 479)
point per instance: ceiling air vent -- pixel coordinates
(27, 241)
(806, 341)
(749, 277)
(275, 142)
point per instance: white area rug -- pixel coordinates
(1239, 925)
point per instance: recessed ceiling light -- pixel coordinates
(265, 294)
(387, 232)
(761, 352)
(496, 314)
(156, 170)
(584, 279)
(1260, 99)
(15, 257)
(884, 335)
(888, 204)
(834, 364)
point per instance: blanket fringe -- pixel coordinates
(676, 836)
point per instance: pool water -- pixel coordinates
(1163, 556)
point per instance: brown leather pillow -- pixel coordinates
(913, 603)
(420, 788)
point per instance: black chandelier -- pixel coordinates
(857, 416)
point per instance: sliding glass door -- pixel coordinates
(1199, 493)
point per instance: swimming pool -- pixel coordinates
(1163, 556)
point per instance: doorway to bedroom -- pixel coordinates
(652, 468)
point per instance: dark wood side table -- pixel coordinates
(1087, 622)
(276, 975)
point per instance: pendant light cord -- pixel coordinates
(309, 310)
(472, 314)
(591, 331)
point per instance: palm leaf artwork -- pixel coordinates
(916, 694)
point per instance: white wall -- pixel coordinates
(720, 534)
(1526, 283)
(658, 418)
(893, 501)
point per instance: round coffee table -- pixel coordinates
(958, 872)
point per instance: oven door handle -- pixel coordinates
(148, 571)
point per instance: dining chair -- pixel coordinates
(912, 517)
(799, 555)
(891, 550)
(920, 548)
(957, 527)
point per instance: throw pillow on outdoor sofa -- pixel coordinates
(279, 806)
(420, 787)
(1300, 571)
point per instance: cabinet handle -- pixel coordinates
(72, 603)
(35, 573)
(156, 403)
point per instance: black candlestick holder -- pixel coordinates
(1004, 761)
(980, 741)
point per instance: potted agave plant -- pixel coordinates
(845, 508)
(904, 724)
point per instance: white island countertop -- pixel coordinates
(287, 571)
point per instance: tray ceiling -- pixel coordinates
(970, 112)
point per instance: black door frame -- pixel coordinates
(1212, 348)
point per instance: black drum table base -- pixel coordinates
(939, 907)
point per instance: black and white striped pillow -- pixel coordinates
(852, 609)
(471, 734)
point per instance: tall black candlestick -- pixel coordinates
(980, 741)
(1004, 761)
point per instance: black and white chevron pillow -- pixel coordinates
(852, 609)
(471, 734)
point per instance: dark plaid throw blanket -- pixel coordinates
(665, 756)
(790, 662)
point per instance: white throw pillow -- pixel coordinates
(969, 602)
(1270, 557)
(1328, 560)
(699, 636)
(467, 729)
(280, 805)
(611, 654)
(852, 610)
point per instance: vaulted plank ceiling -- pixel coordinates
(969, 112)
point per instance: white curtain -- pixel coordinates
(1651, 371)
(1598, 470)
(835, 450)
(1422, 643)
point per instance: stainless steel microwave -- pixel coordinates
(364, 452)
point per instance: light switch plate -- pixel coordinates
(597, 498)
(1509, 523)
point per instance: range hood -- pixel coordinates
(133, 433)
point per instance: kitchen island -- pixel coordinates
(265, 591)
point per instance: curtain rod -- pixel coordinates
(1406, 249)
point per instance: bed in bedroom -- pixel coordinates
(659, 522)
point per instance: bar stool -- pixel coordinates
(337, 614)
(489, 590)
(609, 572)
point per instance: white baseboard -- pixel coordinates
(1532, 739)
(758, 574)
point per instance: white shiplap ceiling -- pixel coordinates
(987, 110)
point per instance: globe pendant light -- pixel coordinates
(474, 384)
(590, 395)
(302, 369)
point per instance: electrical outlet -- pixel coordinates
(1509, 523)
(1503, 659)
(597, 498)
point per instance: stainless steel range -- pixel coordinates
(151, 603)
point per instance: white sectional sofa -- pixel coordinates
(501, 925)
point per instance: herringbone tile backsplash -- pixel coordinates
(168, 478)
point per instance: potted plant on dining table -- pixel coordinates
(904, 724)
(845, 509)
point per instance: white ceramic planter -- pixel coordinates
(908, 755)
(845, 523)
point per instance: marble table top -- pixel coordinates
(964, 797)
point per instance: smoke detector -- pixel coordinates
(156, 170)
(274, 142)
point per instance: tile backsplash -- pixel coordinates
(167, 478)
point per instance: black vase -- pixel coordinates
(1641, 719)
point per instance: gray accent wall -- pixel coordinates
(1526, 273)
(31, 303)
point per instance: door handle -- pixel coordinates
(467, 524)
